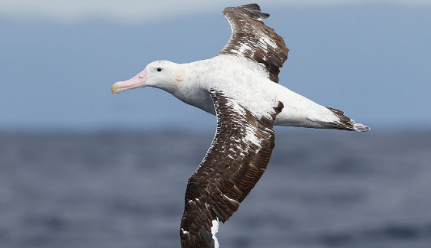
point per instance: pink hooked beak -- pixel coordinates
(137, 81)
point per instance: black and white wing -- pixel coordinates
(252, 39)
(236, 160)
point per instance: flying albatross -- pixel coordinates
(239, 86)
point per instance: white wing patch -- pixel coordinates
(251, 137)
(265, 40)
(242, 49)
(214, 230)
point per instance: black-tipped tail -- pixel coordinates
(345, 123)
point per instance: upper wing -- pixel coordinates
(236, 160)
(252, 39)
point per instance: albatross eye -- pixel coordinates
(159, 69)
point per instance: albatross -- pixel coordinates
(240, 86)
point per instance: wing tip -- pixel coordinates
(252, 10)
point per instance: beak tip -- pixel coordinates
(115, 90)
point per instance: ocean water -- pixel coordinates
(126, 190)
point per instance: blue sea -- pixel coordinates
(126, 190)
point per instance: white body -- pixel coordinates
(248, 83)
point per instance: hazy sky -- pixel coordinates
(370, 59)
(144, 10)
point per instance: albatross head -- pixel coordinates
(160, 74)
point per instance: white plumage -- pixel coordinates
(239, 86)
(245, 81)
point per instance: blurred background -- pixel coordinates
(80, 167)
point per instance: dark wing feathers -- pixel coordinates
(344, 123)
(231, 168)
(243, 144)
(252, 10)
(252, 39)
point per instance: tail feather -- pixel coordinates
(359, 127)
(346, 123)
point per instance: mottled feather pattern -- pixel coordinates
(345, 123)
(238, 87)
(253, 40)
(236, 160)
